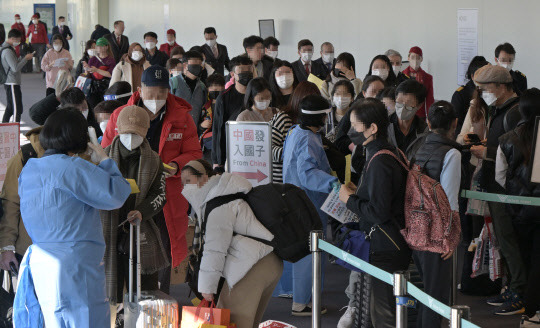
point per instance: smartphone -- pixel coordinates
(474, 138)
(13, 268)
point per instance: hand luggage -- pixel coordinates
(148, 309)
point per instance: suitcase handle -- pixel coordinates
(130, 288)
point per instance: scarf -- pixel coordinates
(153, 255)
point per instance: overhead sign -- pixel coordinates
(249, 151)
(9, 146)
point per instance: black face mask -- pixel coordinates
(357, 138)
(213, 94)
(244, 78)
(195, 69)
(337, 72)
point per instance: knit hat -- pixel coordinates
(171, 31)
(133, 119)
(155, 76)
(416, 50)
(492, 74)
(101, 42)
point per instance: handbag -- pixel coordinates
(205, 315)
(354, 241)
(84, 84)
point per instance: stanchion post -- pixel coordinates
(400, 290)
(453, 294)
(457, 313)
(316, 271)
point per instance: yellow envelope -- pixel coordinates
(313, 79)
(133, 185)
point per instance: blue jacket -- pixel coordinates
(62, 275)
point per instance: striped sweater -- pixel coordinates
(281, 124)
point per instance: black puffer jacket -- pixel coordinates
(517, 178)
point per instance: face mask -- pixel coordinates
(171, 42)
(57, 47)
(103, 125)
(357, 138)
(18, 21)
(396, 69)
(272, 54)
(136, 55)
(85, 113)
(285, 81)
(489, 97)
(244, 78)
(262, 105)
(211, 43)
(15, 44)
(405, 113)
(35, 21)
(175, 73)
(91, 52)
(508, 66)
(382, 73)
(61, 24)
(328, 58)
(415, 64)
(131, 141)
(213, 94)
(342, 102)
(306, 56)
(154, 105)
(195, 69)
(150, 45)
(390, 111)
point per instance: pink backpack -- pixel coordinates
(430, 223)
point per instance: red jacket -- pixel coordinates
(166, 48)
(20, 27)
(39, 33)
(427, 80)
(179, 144)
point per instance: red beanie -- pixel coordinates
(416, 50)
(171, 31)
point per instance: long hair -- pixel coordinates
(302, 90)
(391, 79)
(279, 100)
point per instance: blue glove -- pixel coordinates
(336, 185)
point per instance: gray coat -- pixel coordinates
(196, 99)
(12, 65)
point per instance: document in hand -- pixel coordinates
(337, 209)
(60, 62)
(313, 79)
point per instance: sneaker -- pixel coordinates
(513, 306)
(288, 296)
(306, 312)
(500, 299)
(347, 319)
(527, 322)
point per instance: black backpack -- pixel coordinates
(3, 73)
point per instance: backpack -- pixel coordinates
(430, 223)
(3, 73)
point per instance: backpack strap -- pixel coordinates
(27, 152)
(402, 161)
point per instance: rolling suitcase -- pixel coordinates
(147, 309)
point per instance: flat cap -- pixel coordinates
(492, 74)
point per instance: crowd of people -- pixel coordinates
(158, 115)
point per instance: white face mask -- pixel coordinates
(57, 47)
(154, 105)
(131, 141)
(211, 43)
(35, 21)
(136, 55)
(489, 97)
(190, 193)
(61, 24)
(405, 113)
(328, 58)
(306, 56)
(150, 45)
(272, 54)
(85, 113)
(91, 52)
(175, 73)
(342, 102)
(285, 81)
(15, 44)
(382, 73)
(396, 69)
(262, 105)
(18, 21)
(171, 42)
(415, 64)
(103, 125)
(508, 66)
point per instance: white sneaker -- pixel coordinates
(347, 319)
(527, 322)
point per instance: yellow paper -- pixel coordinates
(133, 185)
(195, 301)
(168, 167)
(313, 79)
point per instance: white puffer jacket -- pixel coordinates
(224, 254)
